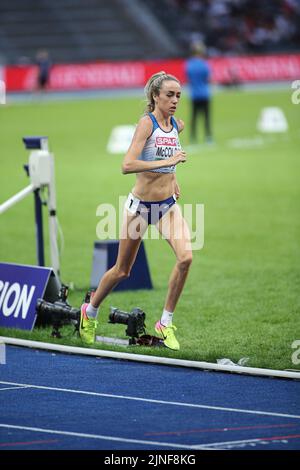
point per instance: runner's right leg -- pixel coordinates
(133, 229)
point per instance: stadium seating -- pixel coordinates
(79, 31)
(91, 30)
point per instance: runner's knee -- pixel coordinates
(185, 261)
(122, 273)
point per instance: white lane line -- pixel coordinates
(99, 436)
(240, 442)
(162, 402)
(13, 388)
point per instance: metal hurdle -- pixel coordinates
(41, 173)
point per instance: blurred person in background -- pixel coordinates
(44, 69)
(198, 73)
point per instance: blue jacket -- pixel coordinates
(198, 74)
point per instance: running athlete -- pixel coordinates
(153, 155)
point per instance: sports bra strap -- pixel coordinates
(154, 122)
(174, 123)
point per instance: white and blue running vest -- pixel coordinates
(161, 145)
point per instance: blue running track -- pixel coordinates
(61, 401)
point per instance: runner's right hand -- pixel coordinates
(179, 157)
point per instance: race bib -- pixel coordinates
(132, 204)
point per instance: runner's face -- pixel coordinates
(168, 98)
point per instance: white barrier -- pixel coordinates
(151, 359)
(41, 173)
(16, 198)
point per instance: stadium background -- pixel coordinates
(242, 296)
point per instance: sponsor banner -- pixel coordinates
(243, 69)
(106, 75)
(250, 69)
(79, 76)
(110, 75)
(20, 287)
(174, 67)
(170, 141)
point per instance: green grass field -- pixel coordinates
(242, 295)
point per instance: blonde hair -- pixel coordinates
(153, 87)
